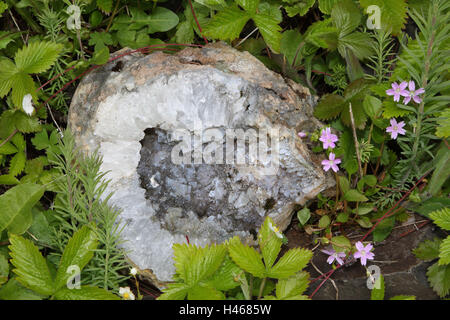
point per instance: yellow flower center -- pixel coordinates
(126, 295)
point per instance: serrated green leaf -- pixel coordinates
(13, 290)
(391, 110)
(442, 218)
(18, 201)
(78, 252)
(9, 69)
(428, 250)
(329, 107)
(22, 84)
(37, 57)
(174, 291)
(246, 258)
(26, 124)
(269, 243)
(346, 17)
(17, 164)
(443, 129)
(372, 106)
(393, 13)
(100, 40)
(85, 293)
(8, 180)
(293, 288)
(327, 5)
(290, 263)
(439, 278)
(225, 278)
(300, 7)
(105, 5)
(7, 148)
(444, 254)
(270, 30)
(378, 289)
(227, 24)
(358, 42)
(248, 5)
(201, 292)
(31, 267)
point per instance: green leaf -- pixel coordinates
(364, 209)
(383, 229)
(227, 24)
(8, 180)
(329, 107)
(443, 129)
(78, 252)
(4, 268)
(378, 289)
(17, 202)
(31, 267)
(442, 218)
(7, 148)
(428, 250)
(224, 278)
(403, 297)
(327, 5)
(162, 20)
(304, 215)
(100, 40)
(246, 258)
(439, 278)
(26, 124)
(372, 106)
(248, 5)
(100, 57)
(364, 222)
(270, 30)
(17, 164)
(359, 43)
(174, 291)
(105, 5)
(393, 14)
(269, 243)
(201, 292)
(290, 263)
(293, 288)
(290, 41)
(354, 195)
(346, 17)
(341, 244)
(442, 171)
(324, 222)
(85, 293)
(444, 254)
(13, 290)
(9, 69)
(37, 57)
(301, 7)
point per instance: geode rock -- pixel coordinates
(199, 145)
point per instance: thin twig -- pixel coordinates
(358, 154)
(9, 138)
(332, 281)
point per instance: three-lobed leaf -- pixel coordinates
(246, 258)
(290, 263)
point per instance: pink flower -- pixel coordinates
(331, 163)
(398, 90)
(413, 93)
(396, 128)
(333, 255)
(302, 134)
(328, 139)
(363, 253)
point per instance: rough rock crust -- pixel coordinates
(125, 114)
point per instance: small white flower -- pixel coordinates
(133, 271)
(26, 104)
(126, 293)
(276, 230)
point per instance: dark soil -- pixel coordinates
(404, 274)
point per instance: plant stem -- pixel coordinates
(261, 288)
(112, 16)
(358, 155)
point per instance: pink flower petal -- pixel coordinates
(407, 100)
(359, 246)
(417, 99)
(403, 85)
(332, 156)
(411, 86)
